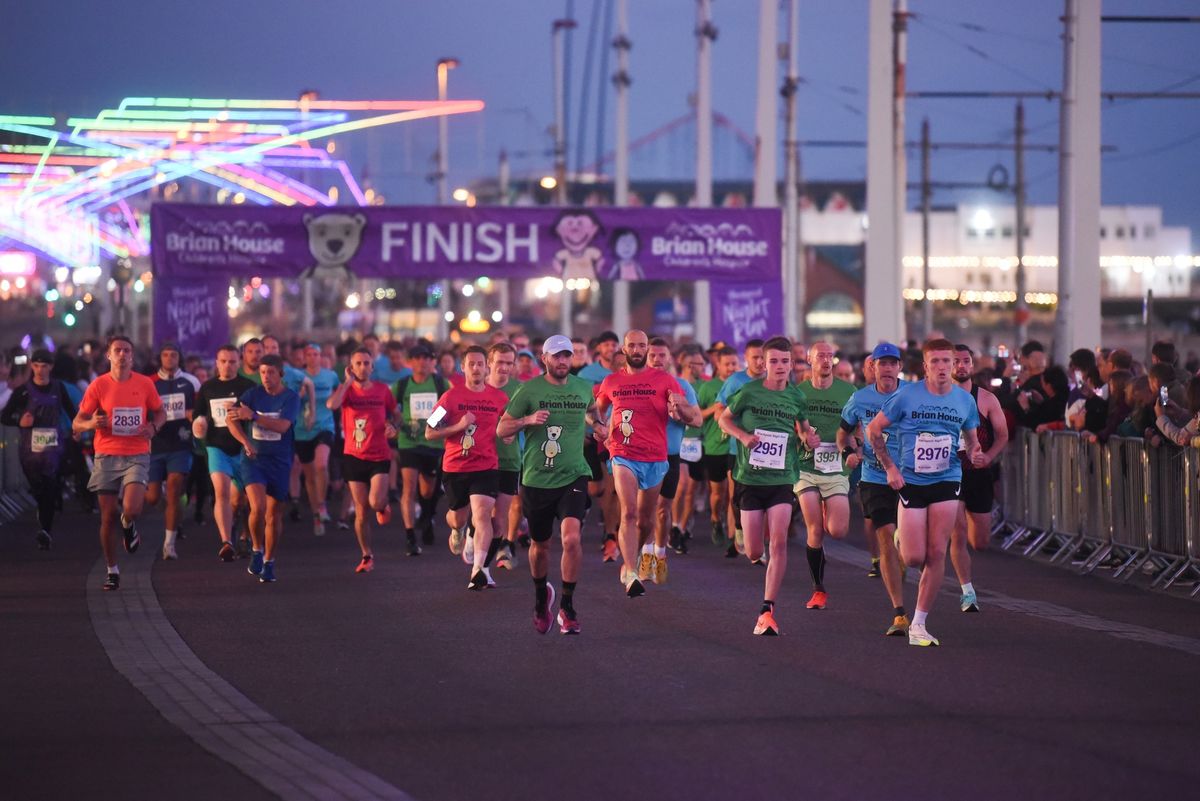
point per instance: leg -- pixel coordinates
(960, 557)
(979, 530)
(940, 521)
(778, 518)
(572, 556)
(662, 521)
(837, 516)
(752, 529)
(154, 492)
(223, 505)
(889, 565)
(627, 496)
(408, 496)
(256, 494)
(481, 516)
(647, 505)
(361, 492)
(814, 518)
(274, 528)
(135, 497)
(109, 530)
(174, 511)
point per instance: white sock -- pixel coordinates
(968, 588)
(919, 617)
(169, 541)
(648, 549)
(478, 558)
(661, 553)
(114, 570)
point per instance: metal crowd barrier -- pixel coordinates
(14, 489)
(1123, 505)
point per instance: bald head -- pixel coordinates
(636, 348)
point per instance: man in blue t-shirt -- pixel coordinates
(270, 411)
(390, 365)
(879, 501)
(756, 368)
(314, 436)
(928, 418)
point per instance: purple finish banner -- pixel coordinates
(743, 311)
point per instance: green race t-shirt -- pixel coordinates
(716, 441)
(772, 411)
(825, 415)
(553, 455)
(510, 454)
(417, 404)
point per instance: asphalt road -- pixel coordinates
(401, 683)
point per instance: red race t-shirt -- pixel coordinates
(128, 405)
(638, 425)
(474, 448)
(365, 414)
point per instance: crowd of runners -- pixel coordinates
(773, 442)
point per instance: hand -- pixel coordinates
(26, 420)
(251, 451)
(812, 439)
(99, 421)
(200, 427)
(1042, 429)
(389, 431)
(750, 441)
(537, 418)
(1023, 401)
(1036, 397)
(467, 419)
(310, 417)
(978, 457)
(853, 461)
(1088, 436)
(673, 401)
(600, 433)
(349, 375)
(894, 478)
(147, 430)
(241, 412)
(508, 440)
(1156, 441)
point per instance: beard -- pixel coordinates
(560, 371)
(962, 378)
(636, 362)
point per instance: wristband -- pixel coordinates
(848, 451)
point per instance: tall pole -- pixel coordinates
(504, 177)
(566, 307)
(900, 155)
(706, 34)
(1022, 308)
(765, 108)
(793, 277)
(621, 81)
(926, 203)
(444, 66)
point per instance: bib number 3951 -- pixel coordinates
(932, 453)
(827, 458)
(771, 451)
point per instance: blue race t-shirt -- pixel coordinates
(286, 406)
(383, 371)
(929, 428)
(676, 429)
(594, 372)
(861, 410)
(730, 388)
(324, 383)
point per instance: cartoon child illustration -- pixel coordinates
(551, 447)
(360, 432)
(576, 228)
(625, 244)
(468, 440)
(626, 427)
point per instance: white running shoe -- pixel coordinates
(918, 635)
(456, 541)
(487, 573)
(169, 552)
(468, 550)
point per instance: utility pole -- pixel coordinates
(793, 253)
(566, 307)
(765, 138)
(621, 81)
(444, 66)
(706, 34)
(1022, 308)
(899, 154)
(926, 199)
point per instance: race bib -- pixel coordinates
(43, 439)
(220, 410)
(932, 453)
(827, 458)
(420, 405)
(126, 420)
(173, 405)
(690, 449)
(262, 434)
(771, 451)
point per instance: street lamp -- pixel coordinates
(444, 66)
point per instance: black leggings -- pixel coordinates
(47, 491)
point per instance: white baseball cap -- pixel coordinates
(558, 344)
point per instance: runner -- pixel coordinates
(216, 397)
(271, 410)
(868, 371)
(652, 564)
(123, 409)
(642, 400)
(367, 408)
(501, 362)
(419, 459)
(879, 501)
(754, 370)
(715, 447)
(824, 484)
(929, 418)
(171, 448)
(295, 379)
(767, 418)
(37, 408)
(555, 410)
(314, 436)
(974, 523)
(691, 451)
(601, 488)
(252, 353)
(466, 417)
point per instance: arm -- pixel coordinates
(599, 429)
(975, 455)
(335, 400)
(679, 409)
(308, 402)
(434, 434)
(847, 441)
(233, 422)
(730, 427)
(879, 446)
(14, 413)
(712, 411)
(509, 425)
(90, 416)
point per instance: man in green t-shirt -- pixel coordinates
(555, 410)
(824, 483)
(420, 460)
(767, 417)
(715, 446)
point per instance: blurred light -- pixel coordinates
(61, 274)
(352, 300)
(69, 319)
(380, 294)
(449, 316)
(474, 316)
(548, 182)
(483, 282)
(468, 290)
(240, 197)
(331, 147)
(497, 316)
(79, 305)
(232, 303)
(139, 286)
(983, 220)
(88, 298)
(20, 283)
(256, 281)
(333, 193)
(51, 295)
(86, 275)
(265, 291)
(390, 294)
(147, 277)
(5, 285)
(461, 194)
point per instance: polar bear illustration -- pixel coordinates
(551, 447)
(333, 239)
(360, 432)
(468, 440)
(626, 426)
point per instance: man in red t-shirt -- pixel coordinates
(642, 400)
(368, 409)
(125, 412)
(465, 417)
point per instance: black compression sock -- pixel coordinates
(568, 599)
(899, 610)
(541, 590)
(767, 606)
(816, 566)
(491, 554)
(409, 533)
(427, 507)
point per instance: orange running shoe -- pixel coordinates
(611, 551)
(817, 601)
(366, 565)
(384, 516)
(766, 625)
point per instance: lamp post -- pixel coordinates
(566, 307)
(444, 66)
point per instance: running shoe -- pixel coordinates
(168, 552)
(226, 554)
(899, 627)
(633, 587)
(343, 524)
(513, 559)
(542, 617)
(366, 565)
(760, 561)
(718, 533)
(766, 625)
(917, 635)
(132, 540)
(674, 538)
(611, 551)
(684, 536)
(660, 570)
(112, 582)
(413, 548)
(468, 551)
(43, 540)
(968, 602)
(256, 563)
(731, 552)
(478, 581)
(384, 516)
(874, 571)
(268, 573)
(456, 541)
(504, 557)
(817, 601)
(324, 515)
(739, 540)
(568, 621)
(427, 532)
(645, 568)
(294, 513)
(487, 574)
(318, 527)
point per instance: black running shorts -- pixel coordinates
(979, 490)
(878, 503)
(754, 498)
(922, 496)
(362, 470)
(543, 506)
(670, 482)
(461, 486)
